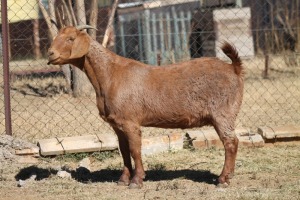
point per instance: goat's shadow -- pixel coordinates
(110, 175)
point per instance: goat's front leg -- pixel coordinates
(133, 134)
(124, 148)
(130, 142)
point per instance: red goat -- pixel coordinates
(131, 94)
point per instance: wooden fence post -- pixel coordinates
(147, 33)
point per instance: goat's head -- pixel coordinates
(70, 44)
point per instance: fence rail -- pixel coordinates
(41, 97)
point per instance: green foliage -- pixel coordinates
(101, 156)
(75, 157)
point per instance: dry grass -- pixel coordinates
(261, 173)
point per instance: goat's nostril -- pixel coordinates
(50, 52)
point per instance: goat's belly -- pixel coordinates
(182, 123)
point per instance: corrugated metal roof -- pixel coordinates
(129, 5)
(154, 4)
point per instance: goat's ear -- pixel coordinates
(80, 46)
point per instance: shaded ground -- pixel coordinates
(261, 173)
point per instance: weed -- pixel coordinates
(156, 166)
(75, 157)
(101, 156)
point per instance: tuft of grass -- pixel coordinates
(72, 157)
(75, 157)
(101, 156)
(157, 167)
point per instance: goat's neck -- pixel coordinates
(97, 67)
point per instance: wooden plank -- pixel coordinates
(287, 131)
(154, 36)
(147, 33)
(167, 57)
(123, 38)
(89, 143)
(28, 151)
(168, 33)
(176, 34)
(161, 35)
(140, 38)
(184, 39)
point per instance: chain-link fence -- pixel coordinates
(46, 100)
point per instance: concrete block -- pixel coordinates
(209, 138)
(279, 132)
(152, 145)
(205, 138)
(241, 131)
(34, 151)
(76, 144)
(254, 140)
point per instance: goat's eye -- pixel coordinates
(70, 39)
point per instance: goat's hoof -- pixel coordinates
(222, 185)
(135, 186)
(123, 183)
(231, 175)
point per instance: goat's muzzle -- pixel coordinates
(51, 56)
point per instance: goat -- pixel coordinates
(131, 94)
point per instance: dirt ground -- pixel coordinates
(272, 172)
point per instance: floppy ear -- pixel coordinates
(80, 46)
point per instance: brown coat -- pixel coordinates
(130, 94)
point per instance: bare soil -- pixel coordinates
(271, 172)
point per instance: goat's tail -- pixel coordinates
(232, 53)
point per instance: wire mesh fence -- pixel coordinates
(44, 101)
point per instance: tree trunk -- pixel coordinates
(110, 26)
(36, 39)
(81, 84)
(93, 18)
(298, 25)
(52, 16)
(65, 68)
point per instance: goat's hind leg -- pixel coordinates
(227, 135)
(124, 148)
(231, 146)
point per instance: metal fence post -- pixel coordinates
(6, 67)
